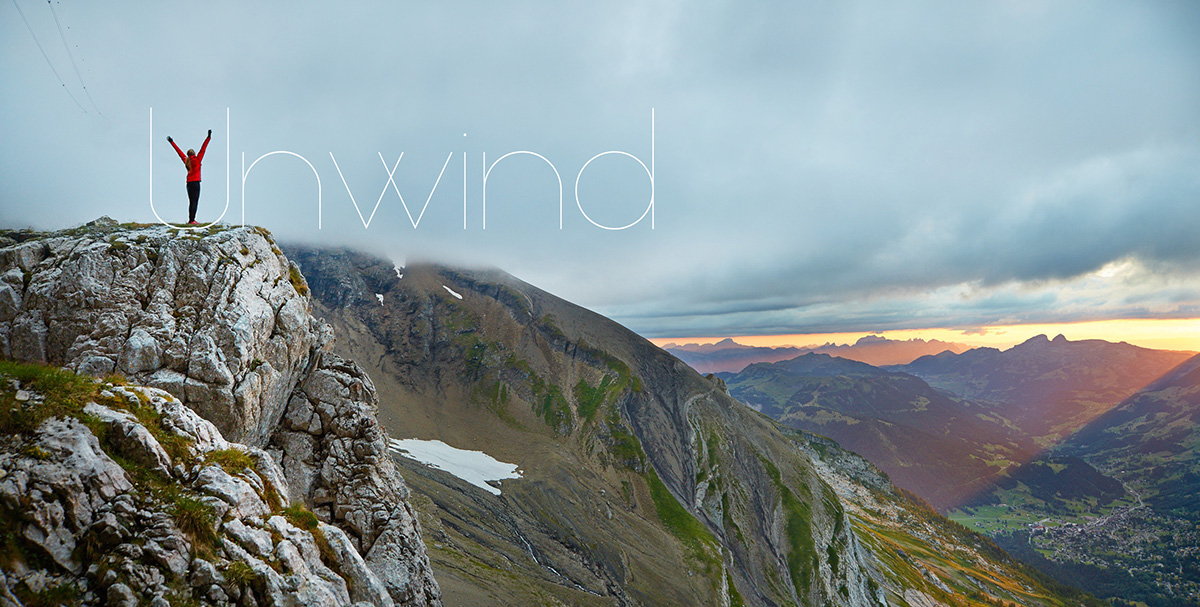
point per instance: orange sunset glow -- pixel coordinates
(1163, 334)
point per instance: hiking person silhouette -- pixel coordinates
(192, 161)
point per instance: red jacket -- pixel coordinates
(194, 167)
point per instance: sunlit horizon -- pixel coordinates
(1161, 334)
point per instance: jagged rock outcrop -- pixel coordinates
(336, 458)
(220, 320)
(212, 317)
(200, 519)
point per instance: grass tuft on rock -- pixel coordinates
(301, 517)
(239, 574)
(297, 281)
(65, 393)
(195, 518)
(36, 452)
(61, 595)
(176, 445)
(234, 461)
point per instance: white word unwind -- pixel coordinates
(486, 172)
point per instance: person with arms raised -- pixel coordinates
(192, 162)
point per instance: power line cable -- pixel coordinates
(71, 56)
(46, 57)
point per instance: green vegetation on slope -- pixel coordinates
(65, 395)
(701, 545)
(802, 555)
(589, 399)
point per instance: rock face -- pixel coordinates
(191, 526)
(335, 457)
(220, 321)
(216, 320)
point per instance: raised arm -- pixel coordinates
(182, 156)
(205, 146)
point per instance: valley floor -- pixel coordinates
(1122, 550)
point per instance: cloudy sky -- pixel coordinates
(855, 167)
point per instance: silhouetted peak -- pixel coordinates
(1036, 339)
(870, 339)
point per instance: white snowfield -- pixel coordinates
(475, 467)
(451, 291)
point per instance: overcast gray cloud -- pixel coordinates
(859, 166)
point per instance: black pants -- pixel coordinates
(193, 199)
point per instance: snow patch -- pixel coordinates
(451, 291)
(475, 467)
(398, 266)
(379, 296)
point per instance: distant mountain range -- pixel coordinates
(1047, 388)
(943, 447)
(729, 356)
(1085, 450)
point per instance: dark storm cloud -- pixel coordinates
(817, 167)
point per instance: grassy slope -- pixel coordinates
(465, 374)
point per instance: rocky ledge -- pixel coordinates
(212, 330)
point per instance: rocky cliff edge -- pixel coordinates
(212, 331)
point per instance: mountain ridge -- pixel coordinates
(484, 361)
(1048, 387)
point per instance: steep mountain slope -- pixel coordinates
(643, 482)
(943, 448)
(1152, 441)
(1048, 388)
(218, 319)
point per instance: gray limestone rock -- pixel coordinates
(58, 486)
(85, 511)
(214, 320)
(217, 328)
(323, 465)
(365, 586)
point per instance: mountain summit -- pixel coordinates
(173, 481)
